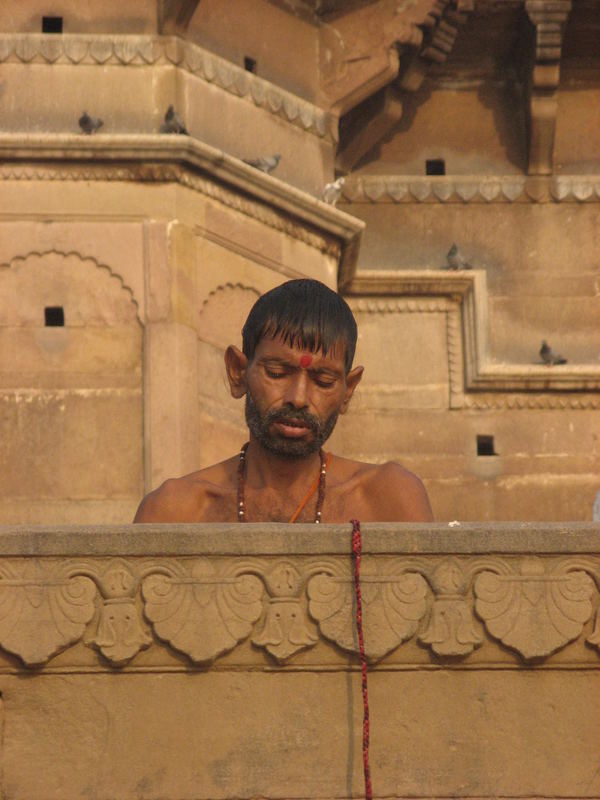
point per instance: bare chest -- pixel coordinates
(339, 505)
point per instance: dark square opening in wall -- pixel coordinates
(52, 24)
(435, 166)
(54, 316)
(249, 64)
(485, 446)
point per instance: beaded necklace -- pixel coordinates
(319, 484)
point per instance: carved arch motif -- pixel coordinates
(109, 282)
(223, 312)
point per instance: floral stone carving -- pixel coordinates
(534, 611)
(392, 607)
(285, 629)
(204, 606)
(450, 630)
(42, 611)
(119, 634)
(204, 614)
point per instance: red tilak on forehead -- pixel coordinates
(305, 361)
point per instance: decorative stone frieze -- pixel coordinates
(434, 584)
(487, 401)
(139, 50)
(472, 189)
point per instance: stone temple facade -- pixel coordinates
(130, 256)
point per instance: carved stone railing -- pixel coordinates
(217, 636)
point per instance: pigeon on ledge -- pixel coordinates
(264, 163)
(173, 123)
(549, 357)
(333, 191)
(89, 124)
(455, 259)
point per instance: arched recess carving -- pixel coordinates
(224, 312)
(92, 293)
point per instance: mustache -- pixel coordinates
(289, 413)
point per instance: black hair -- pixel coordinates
(303, 312)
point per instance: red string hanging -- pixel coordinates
(357, 553)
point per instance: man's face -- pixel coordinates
(294, 396)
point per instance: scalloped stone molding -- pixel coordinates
(136, 50)
(472, 189)
(463, 295)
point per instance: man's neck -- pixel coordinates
(265, 469)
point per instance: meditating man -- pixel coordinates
(295, 371)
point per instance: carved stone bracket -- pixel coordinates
(440, 29)
(359, 49)
(549, 18)
(175, 15)
(371, 73)
(204, 607)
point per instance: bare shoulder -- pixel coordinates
(191, 498)
(388, 492)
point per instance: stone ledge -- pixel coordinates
(275, 539)
(192, 163)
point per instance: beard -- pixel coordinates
(260, 425)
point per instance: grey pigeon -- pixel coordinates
(548, 355)
(264, 163)
(89, 124)
(455, 259)
(332, 191)
(173, 123)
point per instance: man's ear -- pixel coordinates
(352, 381)
(236, 364)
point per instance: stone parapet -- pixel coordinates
(218, 661)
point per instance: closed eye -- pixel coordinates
(272, 373)
(323, 382)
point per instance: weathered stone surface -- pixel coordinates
(457, 706)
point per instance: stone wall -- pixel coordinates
(152, 264)
(155, 246)
(452, 356)
(215, 662)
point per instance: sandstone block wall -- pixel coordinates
(155, 246)
(204, 662)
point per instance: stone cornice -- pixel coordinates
(471, 366)
(194, 164)
(192, 593)
(145, 50)
(472, 189)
